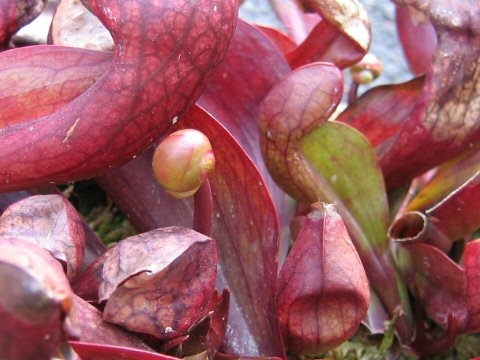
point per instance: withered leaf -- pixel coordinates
(159, 283)
(50, 222)
(342, 36)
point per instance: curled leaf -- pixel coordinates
(323, 292)
(454, 218)
(36, 302)
(160, 65)
(50, 222)
(306, 98)
(314, 159)
(416, 227)
(158, 283)
(248, 249)
(342, 36)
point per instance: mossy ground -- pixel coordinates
(98, 210)
(363, 347)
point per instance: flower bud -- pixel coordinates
(366, 70)
(182, 162)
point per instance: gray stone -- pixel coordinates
(385, 43)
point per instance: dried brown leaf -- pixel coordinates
(50, 222)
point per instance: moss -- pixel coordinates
(108, 222)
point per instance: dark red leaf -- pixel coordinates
(36, 302)
(471, 263)
(380, 112)
(16, 13)
(250, 82)
(458, 215)
(88, 351)
(220, 306)
(95, 330)
(325, 43)
(283, 42)
(134, 102)
(323, 292)
(247, 243)
(438, 282)
(208, 335)
(418, 40)
(50, 222)
(158, 283)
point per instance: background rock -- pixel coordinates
(385, 43)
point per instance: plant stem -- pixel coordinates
(352, 93)
(203, 209)
(291, 17)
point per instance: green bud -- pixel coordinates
(182, 162)
(366, 70)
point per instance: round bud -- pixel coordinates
(366, 70)
(182, 162)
